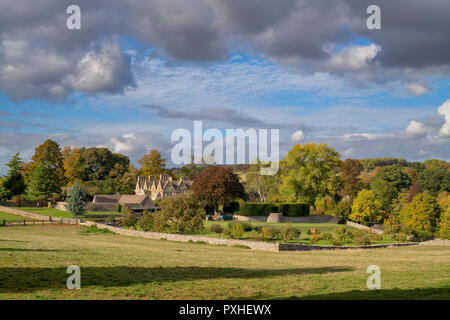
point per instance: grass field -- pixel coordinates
(60, 213)
(33, 262)
(12, 217)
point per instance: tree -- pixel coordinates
(366, 207)
(14, 183)
(395, 176)
(255, 183)
(76, 204)
(307, 171)
(128, 180)
(184, 213)
(101, 164)
(49, 156)
(217, 185)
(432, 179)
(422, 213)
(444, 226)
(385, 192)
(73, 164)
(152, 164)
(351, 184)
(42, 185)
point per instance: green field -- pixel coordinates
(62, 214)
(33, 262)
(12, 217)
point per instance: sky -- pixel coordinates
(138, 70)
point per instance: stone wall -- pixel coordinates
(23, 203)
(309, 219)
(309, 247)
(256, 245)
(40, 217)
(360, 226)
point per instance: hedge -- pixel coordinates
(265, 209)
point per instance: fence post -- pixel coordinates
(24, 223)
(4, 222)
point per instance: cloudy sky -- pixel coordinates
(138, 70)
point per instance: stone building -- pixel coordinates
(163, 187)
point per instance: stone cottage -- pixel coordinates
(163, 187)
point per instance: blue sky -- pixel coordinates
(127, 87)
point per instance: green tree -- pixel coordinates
(217, 185)
(42, 185)
(128, 180)
(395, 176)
(307, 171)
(434, 179)
(366, 207)
(14, 182)
(49, 156)
(385, 191)
(76, 204)
(422, 213)
(184, 214)
(152, 164)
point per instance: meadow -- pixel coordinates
(33, 262)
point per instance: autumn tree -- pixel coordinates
(14, 183)
(422, 213)
(217, 185)
(307, 171)
(366, 208)
(351, 183)
(49, 156)
(152, 164)
(128, 180)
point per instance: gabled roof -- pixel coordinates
(108, 198)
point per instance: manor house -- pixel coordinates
(162, 188)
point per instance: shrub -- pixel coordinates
(343, 210)
(247, 226)
(159, 221)
(128, 219)
(110, 220)
(444, 227)
(422, 213)
(327, 236)
(184, 213)
(257, 228)
(423, 235)
(216, 228)
(254, 235)
(289, 233)
(314, 231)
(342, 235)
(265, 209)
(314, 238)
(227, 233)
(361, 237)
(267, 233)
(146, 222)
(395, 229)
(236, 230)
(366, 207)
(118, 207)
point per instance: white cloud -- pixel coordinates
(444, 110)
(353, 58)
(297, 136)
(417, 89)
(416, 129)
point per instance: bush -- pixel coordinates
(267, 233)
(422, 213)
(128, 219)
(341, 235)
(423, 235)
(254, 235)
(314, 238)
(216, 228)
(327, 236)
(118, 207)
(361, 237)
(343, 210)
(236, 230)
(395, 229)
(314, 231)
(288, 233)
(110, 220)
(146, 222)
(184, 214)
(247, 226)
(444, 227)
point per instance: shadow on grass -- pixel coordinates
(30, 279)
(29, 250)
